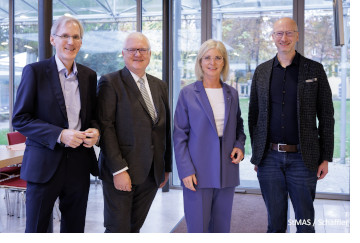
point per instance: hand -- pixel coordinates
(72, 138)
(122, 181)
(322, 170)
(239, 153)
(165, 180)
(189, 182)
(255, 168)
(92, 136)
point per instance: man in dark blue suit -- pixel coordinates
(56, 110)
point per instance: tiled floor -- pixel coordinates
(167, 210)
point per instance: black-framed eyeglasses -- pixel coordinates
(66, 37)
(133, 51)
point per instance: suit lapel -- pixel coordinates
(303, 67)
(204, 101)
(266, 81)
(227, 101)
(130, 82)
(155, 95)
(83, 85)
(53, 76)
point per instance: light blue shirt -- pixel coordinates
(70, 88)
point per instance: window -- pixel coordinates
(4, 71)
(336, 61)
(186, 42)
(245, 29)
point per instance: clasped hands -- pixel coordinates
(74, 139)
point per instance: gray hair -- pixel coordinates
(136, 35)
(62, 21)
(207, 45)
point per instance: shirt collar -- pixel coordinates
(61, 67)
(136, 78)
(295, 61)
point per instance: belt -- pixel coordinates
(280, 147)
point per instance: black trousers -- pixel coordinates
(71, 184)
(125, 212)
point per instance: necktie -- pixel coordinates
(147, 100)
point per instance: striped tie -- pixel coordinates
(147, 100)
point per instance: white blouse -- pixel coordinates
(216, 98)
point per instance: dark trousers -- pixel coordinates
(71, 184)
(125, 212)
(282, 174)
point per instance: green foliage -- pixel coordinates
(3, 138)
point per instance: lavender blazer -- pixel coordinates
(196, 142)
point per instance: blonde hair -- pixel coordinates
(205, 47)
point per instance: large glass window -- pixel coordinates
(25, 51)
(319, 46)
(186, 42)
(26, 37)
(106, 25)
(4, 70)
(245, 29)
(152, 28)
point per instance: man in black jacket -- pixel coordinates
(135, 157)
(289, 150)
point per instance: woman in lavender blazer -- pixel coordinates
(209, 142)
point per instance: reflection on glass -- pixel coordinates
(106, 25)
(4, 71)
(152, 28)
(319, 46)
(186, 42)
(245, 28)
(25, 38)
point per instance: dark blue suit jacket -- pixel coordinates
(196, 142)
(40, 115)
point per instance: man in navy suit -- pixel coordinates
(56, 110)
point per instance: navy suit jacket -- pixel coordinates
(196, 141)
(40, 115)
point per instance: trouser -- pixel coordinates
(281, 174)
(125, 212)
(71, 184)
(208, 210)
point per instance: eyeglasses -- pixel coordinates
(133, 51)
(67, 37)
(280, 34)
(217, 59)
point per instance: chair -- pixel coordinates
(15, 138)
(12, 181)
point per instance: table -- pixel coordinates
(10, 157)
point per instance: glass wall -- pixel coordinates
(4, 71)
(106, 25)
(152, 28)
(25, 51)
(186, 42)
(319, 46)
(245, 28)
